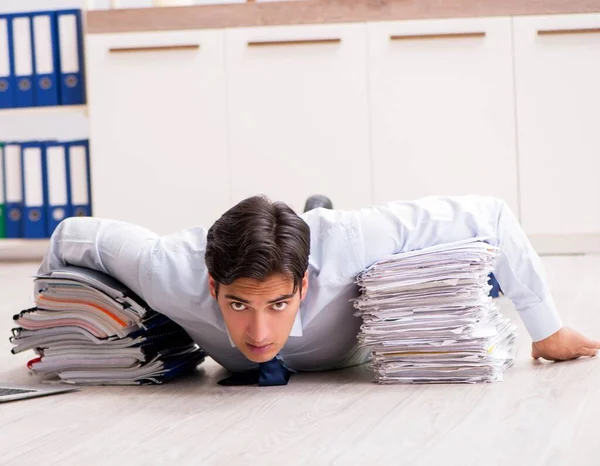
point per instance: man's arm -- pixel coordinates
(405, 226)
(115, 248)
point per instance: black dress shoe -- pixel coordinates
(317, 200)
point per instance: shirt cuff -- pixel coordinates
(541, 320)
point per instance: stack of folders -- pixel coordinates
(88, 329)
(41, 59)
(428, 317)
(41, 184)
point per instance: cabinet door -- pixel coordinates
(558, 96)
(442, 107)
(298, 113)
(158, 128)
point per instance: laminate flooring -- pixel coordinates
(541, 414)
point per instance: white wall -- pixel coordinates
(13, 6)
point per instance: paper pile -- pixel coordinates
(428, 318)
(89, 329)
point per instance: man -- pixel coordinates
(248, 292)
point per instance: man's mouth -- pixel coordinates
(259, 349)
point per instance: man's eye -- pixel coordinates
(238, 306)
(280, 306)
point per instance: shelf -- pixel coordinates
(49, 109)
(253, 14)
(23, 249)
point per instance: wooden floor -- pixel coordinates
(541, 414)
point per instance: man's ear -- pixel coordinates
(304, 286)
(212, 286)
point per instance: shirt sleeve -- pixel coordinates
(405, 226)
(116, 248)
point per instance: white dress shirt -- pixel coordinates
(170, 274)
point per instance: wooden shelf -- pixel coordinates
(12, 250)
(50, 109)
(252, 14)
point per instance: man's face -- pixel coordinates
(259, 314)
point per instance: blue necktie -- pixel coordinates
(269, 373)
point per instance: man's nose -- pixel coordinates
(258, 329)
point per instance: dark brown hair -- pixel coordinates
(258, 238)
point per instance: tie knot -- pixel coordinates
(269, 373)
(273, 372)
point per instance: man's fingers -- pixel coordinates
(535, 354)
(588, 352)
(591, 343)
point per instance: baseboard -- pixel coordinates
(22, 250)
(566, 244)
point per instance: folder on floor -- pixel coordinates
(34, 189)
(45, 48)
(427, 316)
(79, 178)
(114, 338)
(58, 206)
(70, 38)
(6, 77)
(22, 60)
(13, 192)
(2, 227)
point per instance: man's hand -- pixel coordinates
(564, 345)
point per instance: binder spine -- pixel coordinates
(13, 201)
(70, 38)
(45, 63)
(58, 206)
(34, 188)
(80, 178)
(22, 48)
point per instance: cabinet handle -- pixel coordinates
(274, 43)
(441, 35)
(154, 48)
(557, 32)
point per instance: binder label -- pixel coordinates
(43, 45)
(12, 166)
(34, 194)
(22, 47)
(57, 176)
(4, 59)
(69, 58)
(79, 181)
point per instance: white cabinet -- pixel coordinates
(158, 128)
(557, 62)
(186, 123)
(442, 109)
(298, 113)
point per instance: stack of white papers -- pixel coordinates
(89, 329)
(428, 317)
